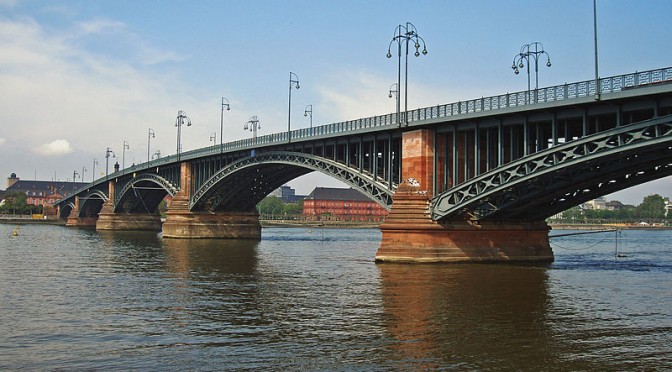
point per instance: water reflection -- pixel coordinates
(205, 259)
(471, 316)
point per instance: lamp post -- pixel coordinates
(181, 119)
(309, 111)
(252, 125)
(123, 154)
(292, 82)
(108, 151)
(213, 137)
(74, 177)
(150, 135)
(394, 89)
(93, 172)
(527, 51)
(221, 124)
(405, 34)
(83, 171)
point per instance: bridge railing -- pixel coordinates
(517, 99)
(556, 93)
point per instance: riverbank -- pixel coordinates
(605, 226)
(320, 224)
(25, 221)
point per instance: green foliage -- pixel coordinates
(272, 207)
(163, 207)
(15, 203)
(652, 208)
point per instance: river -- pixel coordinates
(313, 299)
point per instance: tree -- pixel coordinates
(293, 208)
(270, 206)
(16, 203)
(652, 207)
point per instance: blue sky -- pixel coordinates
(77, 77)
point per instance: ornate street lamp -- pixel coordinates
(182, 118)
(93, 172)
(123, 154)
(252, 125)
(527, 51)
(213, 137)
(221, 124)
(150, 135)
(394, 90)
(83, 171)
(108, 151)
(292, 82)
(309, 111)
(74, 178)
(405, 34)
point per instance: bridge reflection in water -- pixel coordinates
(475, 317)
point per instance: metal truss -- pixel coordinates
(548, 182)
(260, 174)
(131, 188)
(84, 204)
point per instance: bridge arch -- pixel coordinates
(65, 210)
(91, 204)
(551, 181)
(242, 184)
(143, 193)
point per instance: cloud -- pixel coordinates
(2, 141)
(55, 147)
(8, 3)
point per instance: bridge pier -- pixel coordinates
(183, 223)
(410, 235)
(74, 220)
(109, 220)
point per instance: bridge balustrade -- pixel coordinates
(562, 92)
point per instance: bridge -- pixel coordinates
(466, 181)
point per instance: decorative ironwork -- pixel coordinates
(155, 178)
(365, 183)
(614, 155)
(168, 166)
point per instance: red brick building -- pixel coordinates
(43, 193)
(332, 204)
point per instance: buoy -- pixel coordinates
(16, 231)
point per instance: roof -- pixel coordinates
(329, 193)
(46, 187)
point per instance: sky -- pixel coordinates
(79, 76)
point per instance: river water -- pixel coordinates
(303, 299)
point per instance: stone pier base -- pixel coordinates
(220, 225)
(134, 222)
(74, 221)
(410, 235)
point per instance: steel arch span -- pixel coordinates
(91, 204)
(143, 193)
(244, 183)
(551, 181)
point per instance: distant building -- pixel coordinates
(596, 204)
(614, 205)
(336, 204)
(43, 193)
(287, 194)
(668, 207)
